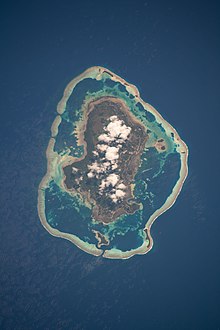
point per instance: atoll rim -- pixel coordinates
(114, 165)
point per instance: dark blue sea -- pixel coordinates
(170, 50)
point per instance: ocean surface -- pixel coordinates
(171, 52)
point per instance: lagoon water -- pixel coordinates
(170, 52)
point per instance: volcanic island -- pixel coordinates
(114, 142)
(114, 165)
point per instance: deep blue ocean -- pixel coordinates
(170, 50)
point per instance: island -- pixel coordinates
(114, 165)
(114, 142)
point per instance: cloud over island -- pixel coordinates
(107, 152)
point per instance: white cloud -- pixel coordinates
(114, 128)
(102, 186)
(114, 198)
(112, 153)
(113, 118)
(117, 128)
(105, 138)
(125, 131)
(94, 167)
(114, 165)
(111, 179)
(119, 193)
(97, 167)
(106, 164)
(102, 147)
(121, 186)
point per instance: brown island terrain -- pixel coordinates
(113, 142)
